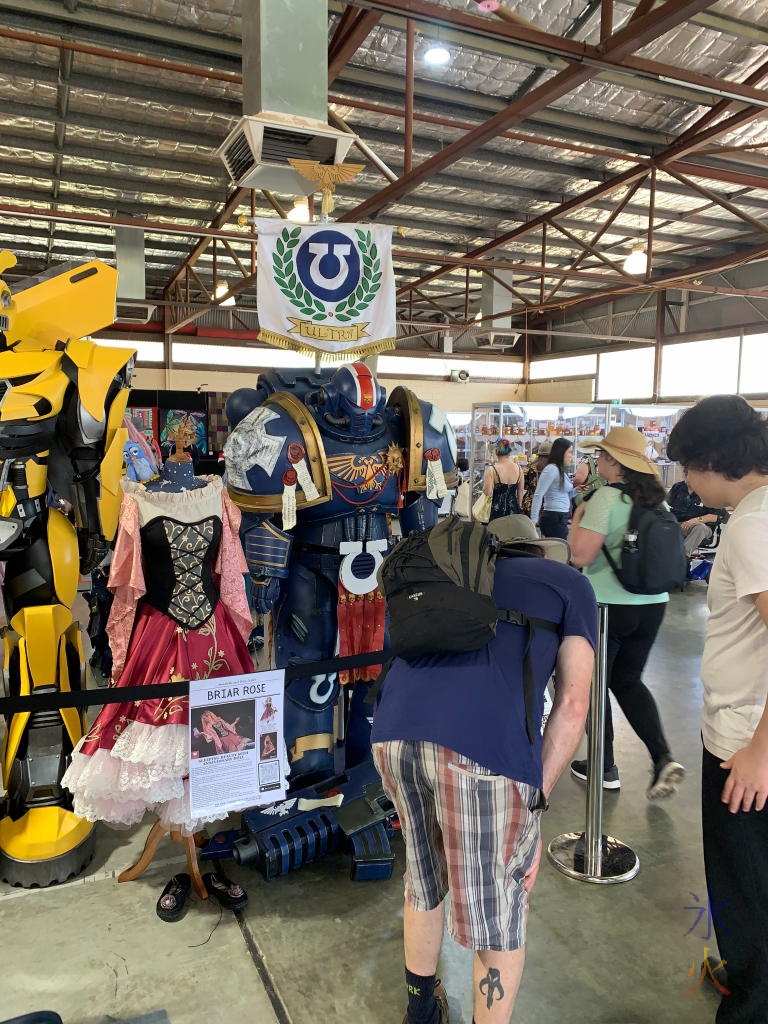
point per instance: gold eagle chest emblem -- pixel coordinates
(362, 473)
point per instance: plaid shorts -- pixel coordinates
(467, 832)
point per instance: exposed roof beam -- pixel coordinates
(731, 173)
(622, 43)
(691, 140)
(223, 51)
(345, 48)
(601, 57)
(638, 141)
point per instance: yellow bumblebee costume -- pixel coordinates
(62, 402)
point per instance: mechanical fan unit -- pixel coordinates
(257, 150)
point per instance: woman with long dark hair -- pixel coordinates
(633, 619)
(552, 500)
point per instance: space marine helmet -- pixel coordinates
(353, 401)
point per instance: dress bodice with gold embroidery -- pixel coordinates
(182, 556)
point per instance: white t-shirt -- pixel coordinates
(734, 669)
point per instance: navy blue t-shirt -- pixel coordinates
(473, 703)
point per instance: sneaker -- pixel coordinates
(442, 1004)
(611, 778)
(665, 780)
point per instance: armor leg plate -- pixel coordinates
(41, 840)
(306, 631)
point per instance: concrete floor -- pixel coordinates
(315, 946)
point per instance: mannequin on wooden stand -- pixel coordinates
(179, 612)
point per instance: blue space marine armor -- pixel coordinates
(328, 443)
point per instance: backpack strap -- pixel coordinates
(378, 682)
(517, 618)
(609, 559)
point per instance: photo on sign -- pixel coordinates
(267, 746)
(267, 713)
(223, 729)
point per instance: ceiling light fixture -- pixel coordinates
(221, 289)
(637, 261)
(300, 211)
(437, 55)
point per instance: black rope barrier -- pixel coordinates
(53, 700)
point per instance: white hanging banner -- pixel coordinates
(327, 288)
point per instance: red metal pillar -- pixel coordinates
(606, 20)
(661, 305)
(410, 46)
(651, 213)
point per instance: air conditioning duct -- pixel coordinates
(133, 312)
(285, 98)
(132, 306)
(500, 340)
(257, 150)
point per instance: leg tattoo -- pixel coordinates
(491, 986)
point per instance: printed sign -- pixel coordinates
(235, 742)
(326, 287)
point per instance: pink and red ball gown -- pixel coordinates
(179, 610)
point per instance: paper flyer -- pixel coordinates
(235, 742)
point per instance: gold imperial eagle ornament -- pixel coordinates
(326, 177)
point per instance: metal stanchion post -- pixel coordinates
(590, 855)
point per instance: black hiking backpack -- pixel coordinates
(438, 586)
(653, 558)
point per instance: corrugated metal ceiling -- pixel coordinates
(101, 137)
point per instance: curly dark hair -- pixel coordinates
(723, 434)
(556, 455)
(645, 489)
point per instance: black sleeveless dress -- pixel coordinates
(504, 499)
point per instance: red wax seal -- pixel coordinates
(290, 476)
(432, 454)
(295, 452)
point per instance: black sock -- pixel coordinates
(422, 1007)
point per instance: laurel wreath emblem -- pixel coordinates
(289, 284)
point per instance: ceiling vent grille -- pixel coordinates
(257, 150)
(497, 339)
(237, 156)
(133, 312)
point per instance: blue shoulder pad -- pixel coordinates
(279, 436)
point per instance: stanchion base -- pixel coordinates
(568, 854)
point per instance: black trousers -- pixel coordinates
(631, 632)
(736, 862)
(554, 524)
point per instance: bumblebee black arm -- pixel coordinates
(93, 445)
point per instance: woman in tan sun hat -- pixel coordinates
(633, 619)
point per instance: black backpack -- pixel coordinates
(438, 586)
(653, 558)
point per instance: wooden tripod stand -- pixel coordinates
(191, 844)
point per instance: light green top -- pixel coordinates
(607, 512)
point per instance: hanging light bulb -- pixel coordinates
(437, 55)
(637, 261)
(221, 289)
(300, 211)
